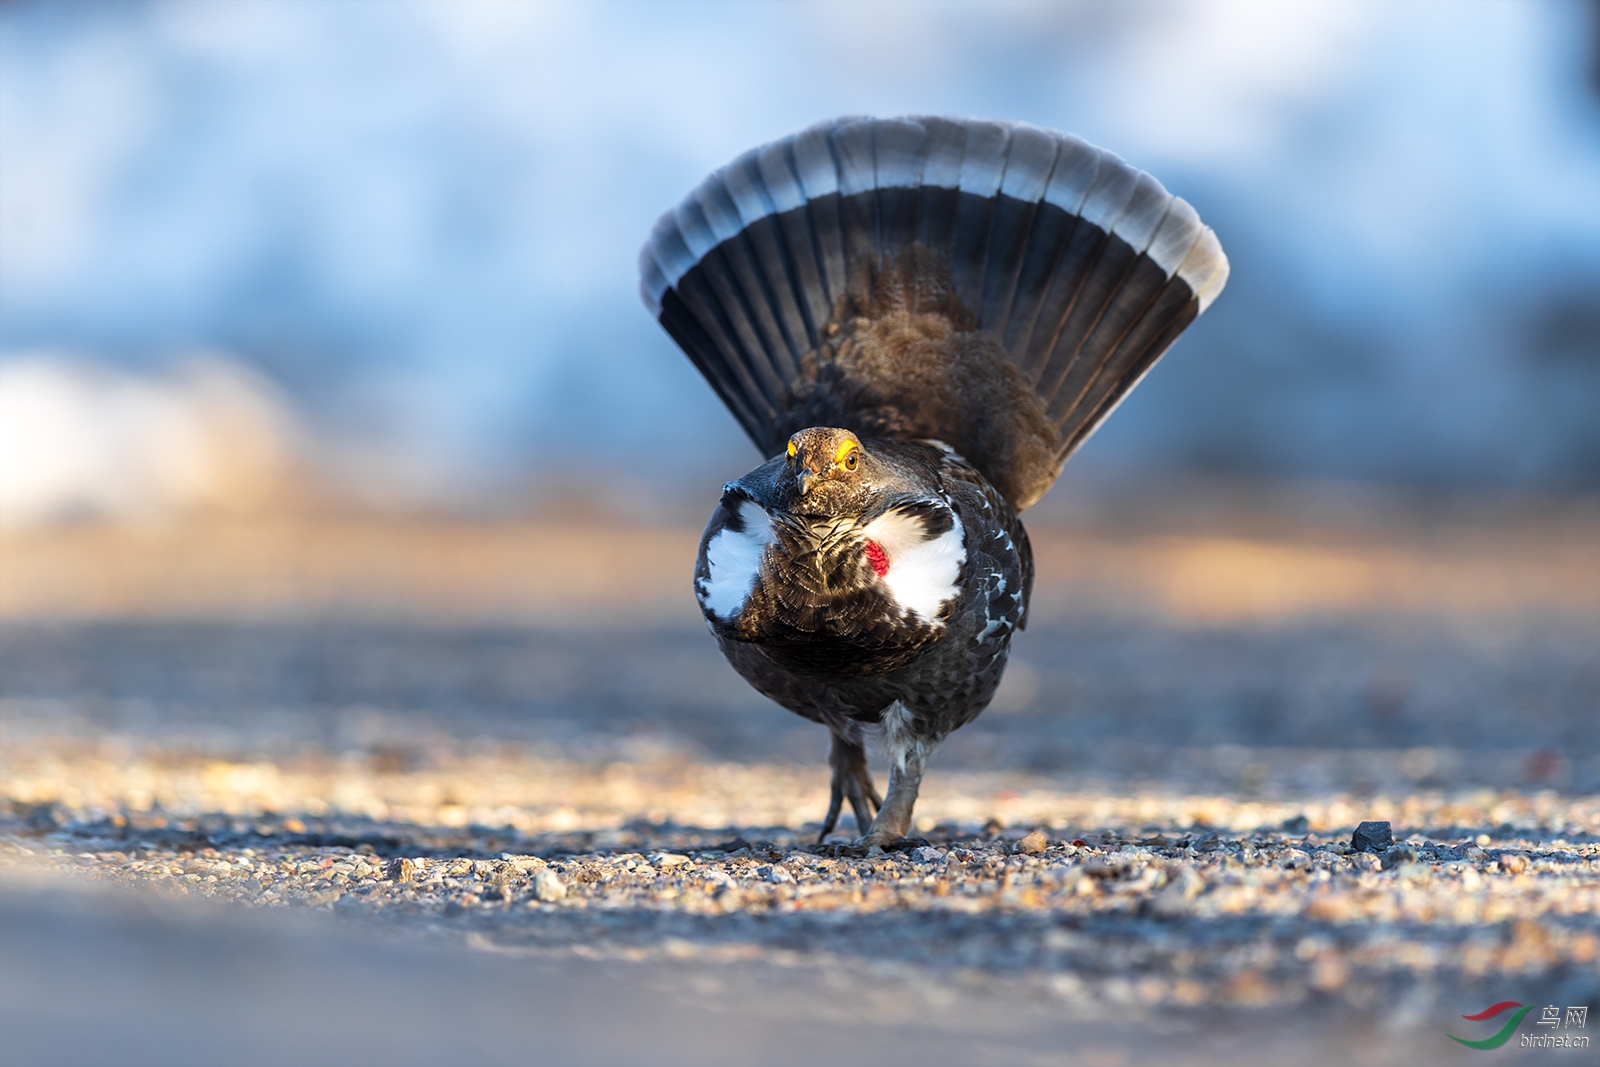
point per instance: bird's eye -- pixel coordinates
(851, 459)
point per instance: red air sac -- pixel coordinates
(878, 558)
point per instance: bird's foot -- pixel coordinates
(863, 845)
(850, 781)
(886, 840)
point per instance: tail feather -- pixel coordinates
(1080, 267)
(939, 194)
(1031, 158)
(899, 152)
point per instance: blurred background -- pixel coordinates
(253, 254)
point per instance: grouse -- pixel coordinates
(918, 320)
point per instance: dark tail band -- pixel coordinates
(1083, 268)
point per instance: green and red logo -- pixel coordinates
(1504, 1033)
(1554, 1030)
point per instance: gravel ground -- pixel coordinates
(1146, 842)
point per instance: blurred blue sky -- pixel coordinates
(422, 219)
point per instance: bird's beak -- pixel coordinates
(805, 478)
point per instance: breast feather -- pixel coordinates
(733, 561)
(924, 572)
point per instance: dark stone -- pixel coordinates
(908, 844)
(1372, 837)
(42, 818)
(1297, 825)
(1397, 855)
(1099, 868)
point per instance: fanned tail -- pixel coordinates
(1080, 268)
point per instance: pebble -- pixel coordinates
(1099, 868)
(1397, 855)
(1294, 858)
(1372, 837)
(1182, 886)
(548, 886)
(1033, 844)
(1166, 912)
(1513, 862)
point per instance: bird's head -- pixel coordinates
(828, 472)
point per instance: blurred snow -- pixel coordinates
(82, 441)
(420, 220)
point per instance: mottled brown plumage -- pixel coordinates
(902, 358)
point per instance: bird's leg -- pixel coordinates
(894, 815)
(852, 780)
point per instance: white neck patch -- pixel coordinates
(734, 559)
(923, 574)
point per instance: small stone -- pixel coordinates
(926, 854)
(1099, 868)
(668, 859)
(1033, 844)
(1397, 855)
(1298, 824)
(1182, 886)
(1294, 859)
(401, 870)
(548, 886)
(42, 818)
(1206, 842)
(780, 876)
(1513, 862)
(1372, 837)
(1328, 909)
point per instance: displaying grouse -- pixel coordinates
(918, 320)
